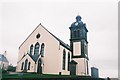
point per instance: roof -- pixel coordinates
(73, 62)
(3, 58)
(61, 42)
(78, 23)
(33, 57)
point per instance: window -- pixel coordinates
(38, 36)
(42, 50)
(22, 65)
(31, 49)
(64, 55)
(74, 33)
(26, 62)
(78, 33)
(29, 66)
(36, 50)
(68, 60)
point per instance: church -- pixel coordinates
(44, 53)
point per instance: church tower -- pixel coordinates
(79, 47)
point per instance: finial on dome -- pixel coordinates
(78, 18)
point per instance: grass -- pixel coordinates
(18, 76)
(33, 76)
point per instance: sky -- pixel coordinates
(19, 18)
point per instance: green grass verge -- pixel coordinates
(32, 76)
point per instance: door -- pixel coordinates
(39, 67)
(73, 68)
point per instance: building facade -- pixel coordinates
(3, 62)
(44, 53)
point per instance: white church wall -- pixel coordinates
(51, 50)
(51, 55)
(81, 66)
(64, 72)
(19, 65)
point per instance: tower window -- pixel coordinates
(31, 49)
(78, 33)
(64, 55)
(36, 50)
(42, 50)
(75, 33)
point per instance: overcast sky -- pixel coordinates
(19, 19)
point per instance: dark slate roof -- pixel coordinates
(3, 58)
(33, 57)
(79, 23)
(61, 42)
(73, 62)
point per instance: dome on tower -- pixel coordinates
(78, 22)
(78, 18)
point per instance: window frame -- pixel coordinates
(36, 49)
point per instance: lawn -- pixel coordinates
(43, 76)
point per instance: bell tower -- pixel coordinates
(79, 45)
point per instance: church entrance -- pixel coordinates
(73, 67)
(39, 67)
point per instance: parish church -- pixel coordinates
(44, 53)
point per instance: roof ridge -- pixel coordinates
(29, 36)
(63, 43)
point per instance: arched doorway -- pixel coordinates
(39, 67)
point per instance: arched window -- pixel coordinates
(36, 50)
(22, 66)
(26, 63)
(29, 66)
(75, 34)
(42, 50)
(64, 55)
(31, 49)
(68, 61)
(78, 33)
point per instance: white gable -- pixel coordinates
(45, 37)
